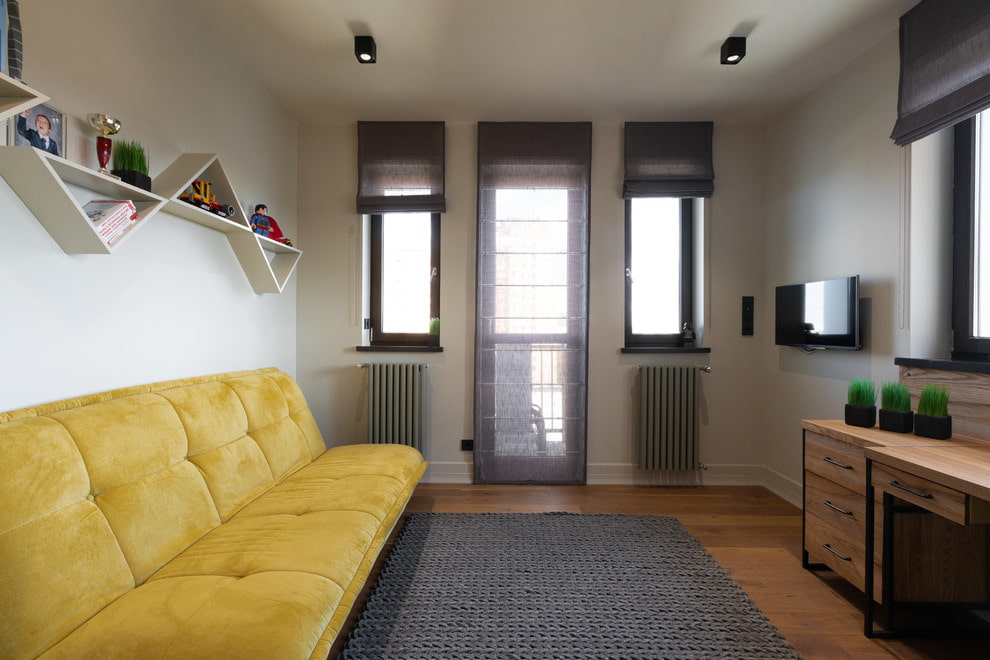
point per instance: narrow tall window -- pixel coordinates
(401, 189)
(971, 240)
(405, 279)
(659, 279)
(668, 166)
(981, 227)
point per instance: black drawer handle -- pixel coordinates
(832, 506)
(917, 493)
(841, 465)
(829, 548)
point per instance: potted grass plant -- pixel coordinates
(130, 163)
(932, 420)
(861, 408)
(895, 408)
(434, 337)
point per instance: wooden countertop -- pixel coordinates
(961, 462)
(964, 468)
(874, 437)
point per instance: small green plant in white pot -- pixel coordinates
(895, 408)
(933, 420)
(861, 405)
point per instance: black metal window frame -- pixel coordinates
(633, 340)
(378, 337)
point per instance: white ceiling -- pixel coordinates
(543, 60)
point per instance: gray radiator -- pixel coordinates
(668, 418)
(395, 404)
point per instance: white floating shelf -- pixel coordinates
(43, 181)
(267, 275)
(16, 97)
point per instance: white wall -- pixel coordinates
(836, 206)
(330, 303)
(930, 260)
(173, 301)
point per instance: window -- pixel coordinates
(659, 270)
(405, 279)
(971, 240)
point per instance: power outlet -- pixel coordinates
(467, 445)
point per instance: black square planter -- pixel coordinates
(135, 178)
(865, 416)
(937, 428)
(897, 421)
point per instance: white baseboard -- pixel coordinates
(625, 474)
(450, 472)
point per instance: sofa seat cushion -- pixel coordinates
(264, 615)
(396, 461)
(330, 544)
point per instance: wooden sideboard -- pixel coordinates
(837, 458)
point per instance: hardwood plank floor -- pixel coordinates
(752, 533)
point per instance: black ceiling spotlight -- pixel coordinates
(733, 50)
(364, 50)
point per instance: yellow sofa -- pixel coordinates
(199, 518)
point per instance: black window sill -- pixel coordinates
(665, 349)
(970, 366)
(399, 349)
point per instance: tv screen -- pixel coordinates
(823, 314)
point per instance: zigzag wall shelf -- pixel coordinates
(267, 275)
(16, 97)
(55, 190)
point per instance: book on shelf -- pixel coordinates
(111, 217)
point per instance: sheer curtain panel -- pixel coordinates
(401, 167)
(531, 335)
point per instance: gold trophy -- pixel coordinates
(106, 126)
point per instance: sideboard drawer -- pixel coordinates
(842, 553)
(837, 461)
(836, 505)
(946, 502)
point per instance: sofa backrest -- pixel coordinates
(99, 492)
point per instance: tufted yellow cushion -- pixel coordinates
(236, 473)
(211, 415)
(42, 471)
(57, 571)
(284, 446)
(299, 411)
(268, 615)
(125, 439)
(159, 516)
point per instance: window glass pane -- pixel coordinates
(655, 265)
(981, 229)
(531, 261)
(406, 251)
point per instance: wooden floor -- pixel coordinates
(752, 533)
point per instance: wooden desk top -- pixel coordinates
(961, 462)
(874, 437)
(964, 468)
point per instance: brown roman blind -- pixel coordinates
(401, 167)
(945, 66)
(668, 159)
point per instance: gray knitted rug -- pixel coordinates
(541, 586)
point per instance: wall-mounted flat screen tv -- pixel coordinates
(823, 314)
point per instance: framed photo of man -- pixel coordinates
(42, 127)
